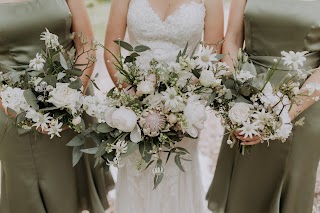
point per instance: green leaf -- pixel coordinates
(110, 93)
(132, 147)
(149, 164)
(102, 148)
(124, 45)
(230, 84)
(90, 151)
(185, 49)
(104, 128)
(76, 155)
(78, 140)
(97, 162)
(182, 149)
(48, 109)
(157, 180)
(141, 48)
(63, 61)
(61, 75)
(131, 58)
(20, 117)
(177, 160)
(31, 99)
(51, 80)
(35, 73)
(77, 84)
(74, 72)
(145, 147)
(245, 90)
(211, 98)
(95, 138)
(196, 73)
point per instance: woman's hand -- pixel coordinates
(247, 141)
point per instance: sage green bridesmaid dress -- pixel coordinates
(37, 175)
(279, 178)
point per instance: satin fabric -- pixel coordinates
(279, 178)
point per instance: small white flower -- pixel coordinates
(249, 129)
(55, 129)
(206, 57)
(76, 120)
(172, 100)
(294, 59)
(172, 118)
(115, 162)
(121, 147)
(51, 40)
(145, 88)
(262, 116)
(229, 142)
(244, 76)
(42, 121)
(37, 63)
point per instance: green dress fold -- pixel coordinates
(279, 178)
(37, 173)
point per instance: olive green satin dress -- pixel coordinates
(279, 178)
(37, 175)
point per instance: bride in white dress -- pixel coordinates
(165, 26)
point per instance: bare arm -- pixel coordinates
(214, 23)
(116, 29)
(307, 101)
(234, 37)
(81, 23)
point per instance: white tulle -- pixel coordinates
(178, 192)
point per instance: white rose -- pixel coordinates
(145, 88)
(76, 121)
(208, 79)
(240, 112)
(195, 115)
(123, 119)
(64, 97)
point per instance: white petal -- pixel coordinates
(135, 135)
(193, 132)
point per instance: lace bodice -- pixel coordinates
(165, 38)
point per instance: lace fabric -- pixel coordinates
(178, 192)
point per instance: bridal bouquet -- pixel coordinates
(163, 104)
(254, 106)
(47, 96)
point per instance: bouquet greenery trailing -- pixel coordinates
(47, 95)
(164, 103)
(256, 105)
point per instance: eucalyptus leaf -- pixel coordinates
(141, 48)
(102, 148)
(31, 99)
(124, 45)
(78, 140)
(177, 160)
(183, 149)
(196, 72)
(211, 98)
(20, 117)
(184, 52)
(74, 72)
(95, 138)
(76, 155)
(77, 84)
(34, 73)
(132, 147)
(245, 90)
(230, 84)
(90, 151)
(157, 180)
(63, 61)
(104, 128)
(48, 109)
(50, 79)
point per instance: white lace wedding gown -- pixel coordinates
(178, 192)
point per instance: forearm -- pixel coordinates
(306, 101)
(87, 69)
(110, 60)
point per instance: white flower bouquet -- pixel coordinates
(256, 105)
(47, 95)
(163, 104)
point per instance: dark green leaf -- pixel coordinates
(91, 151)
(145, 147)
(77, 84)
(141, 48)
(177, 160)
(75, 72)
(21, 117)
(183, 149)
(95, 138)
(97, 161)
(124, 45)
(48, 109)
(31, 99)
(185, 49)
(50, 79)
(149, 164)
(76, 155)
(211, 98)
(196, 73)
(104, 128)
(132, 147)
(78, 140)
(157, 180)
